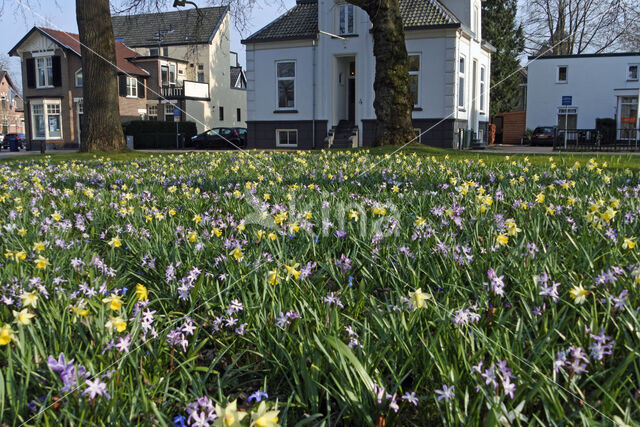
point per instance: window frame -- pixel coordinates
(483, 88)
(566, 74)
(132, 89)
(75, 78)
(287, 145)
(419, 74)
(637, 77)
(462, 81)
(278, 79)
(152, 108)
(166, 107)
(44, 104)
(200, 73)
(48, 72)
(346, 7)
(221, 113)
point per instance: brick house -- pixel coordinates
(11, 108)
(52, 86)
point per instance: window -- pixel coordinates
(44, 72)
(286, 138)
(346, 21)
(483, 86)
(78, 78)
(567, 118)
(221, 113)
(476, 25)
(172, 74)
(164, 74)
(418, 135)
(286, 79)
(152, 112)
(165, 51)
(628, 117)
(562, 74)
(154, 51)
(414, 79)
(461, 66)
(168, 112)
(632, 73)
(238, 114)
(200, 73)
(132, 87)
(80, 107)
(46, 120)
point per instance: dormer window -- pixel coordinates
(346, 19)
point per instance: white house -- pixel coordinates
(303, 84)
(192, 66)
(598, 86)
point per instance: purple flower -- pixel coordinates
(446, 393)
(96, 388)
(411, 398)
(59, 365)
(344, 263)
(257, 396)
(331, 299)
(123, 344)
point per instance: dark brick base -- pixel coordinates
(443, 135)
(263, 134)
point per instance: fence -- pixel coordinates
(597, 140)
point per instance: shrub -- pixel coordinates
(154, 134)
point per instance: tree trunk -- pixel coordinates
(101, 128)
(392, 104)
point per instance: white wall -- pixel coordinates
(591, 81)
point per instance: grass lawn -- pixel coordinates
(427, 287)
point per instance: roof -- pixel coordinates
(425, 13)
(71, 42)
(236, 72)
(301, 22)
(4, 74)
(585, 55)
(181, 27)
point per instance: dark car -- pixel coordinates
(242, 132)
(543, 135)
(228, 138)
(18, 138)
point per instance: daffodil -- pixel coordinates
(117, 323)
(292, 272)
(502, 239)
(38, 246)
(141, 292)
(579, 294)
(6, 334)
(229, 416)
(629, 243)
(80, 311)
(418, 298)
(237, 253)
(265, 418)
(273, 277)
(23, 317)
(114, 301)
(115, 242)
(29, 299)
(42, 262)
(354, 215)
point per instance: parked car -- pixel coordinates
(229, 138)
(18, 138)
(1, 137)
(543, 135)
(242, 132)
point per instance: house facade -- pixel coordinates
(52, 86)
(305, 86)
(11, 106)
(187, 54)
(573, 91)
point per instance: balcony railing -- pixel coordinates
(189, 90)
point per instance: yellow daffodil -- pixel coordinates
(271, 236)
(216, 231)
(115, 242)
(265, 418)
(229, 416)
(197, 219)
(540, 198)
(502, 239)
(80, 311)
(354, 215)
(117, 323)
(23, 317)
(38, 246)
(114, 301)
(29, 299)
(579, 294)
(420, 221)
(141, 292)
(629, 243)
(6, 334)
(42, 262)
(237, 253)
(273, 277)
(418, 298)
(192, 237)
(292, 272)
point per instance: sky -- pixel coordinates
(16, 19)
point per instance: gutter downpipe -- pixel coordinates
(313, 114)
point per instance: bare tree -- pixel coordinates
(566, 27)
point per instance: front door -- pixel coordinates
(351, 94)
